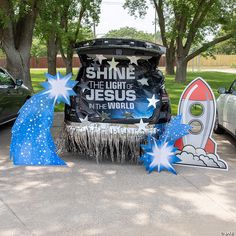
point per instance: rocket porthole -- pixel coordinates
(196, 109)
(197, 127)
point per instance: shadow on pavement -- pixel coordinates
(107, 199)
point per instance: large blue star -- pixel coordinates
(175, 130)
(159, 155)
(59, 88)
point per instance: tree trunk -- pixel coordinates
(16, 40)
(181, 70)
(52, 49)
(170, 61)
(18, 65)
(69, 68)
(69, 60)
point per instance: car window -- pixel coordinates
(6, 80)
(233, 88)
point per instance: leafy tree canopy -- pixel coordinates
(185, 24)
(130, 32)
(228, 48)
(2, 54)
(38, 48)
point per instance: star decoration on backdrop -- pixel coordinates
(131, 67)
(175, 130)
(159, 155)
(141, 126)
(143, 81)
(85, 121)
(95, 66)
(134, 60)
(84, 86)
(105, 116)
(100, 58)
(153, 101)
(160, 128)
(127, 115)
(59, 88)
(113, 64)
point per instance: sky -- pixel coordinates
(114, 16)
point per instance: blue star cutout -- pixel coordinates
(59, 88)
(159, 155)
(32, 143)
(175, 130)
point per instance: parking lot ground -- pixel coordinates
(109, 199)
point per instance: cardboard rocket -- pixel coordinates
(198, 148)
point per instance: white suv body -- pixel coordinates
(226, 110)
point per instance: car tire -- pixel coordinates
(217, 128)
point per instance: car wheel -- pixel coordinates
(217, 128)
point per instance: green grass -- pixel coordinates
(215, 80)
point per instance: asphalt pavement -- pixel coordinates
(86, 198)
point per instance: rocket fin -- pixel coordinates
(210, 146)
(179, 144)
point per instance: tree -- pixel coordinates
(17, 21)
(186, 23)
(62, 23)
(130, 32)
(38, 48)
(48, 28)
(2, 54)
(228, 48)
(76, 26)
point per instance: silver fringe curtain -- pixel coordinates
(104, 142)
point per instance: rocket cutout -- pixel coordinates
(198, 108)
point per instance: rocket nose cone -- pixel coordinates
(199, 90)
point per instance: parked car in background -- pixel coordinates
(13, 94)
(226, 110)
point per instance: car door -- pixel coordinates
(3, 102)
(231, 109)
(225, 110)
(10, 97)
(220, 109)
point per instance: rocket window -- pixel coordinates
(196, 127)
(196, 109)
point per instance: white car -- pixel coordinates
(226, 111)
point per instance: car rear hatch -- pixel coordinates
(119, 81)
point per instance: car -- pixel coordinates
(120, 98)
(226, 111)
(119, 82)
(13, 94)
